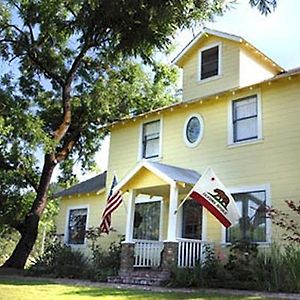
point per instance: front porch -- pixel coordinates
(157, 236)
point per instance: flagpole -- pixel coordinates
(182, 202)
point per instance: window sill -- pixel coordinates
(155, 159)
(245, 143)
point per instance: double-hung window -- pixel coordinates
(77, 226)
(210, 62)
(151, 139)
(252, 226)
(245, 119)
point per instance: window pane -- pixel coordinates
(77, 226)
(245, 129)
(192, 220)
(151, 148)
(210, 62)
(252, 225)
(151, 128)
(245, 108)
(146, 221)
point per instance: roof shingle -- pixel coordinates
(92, 185)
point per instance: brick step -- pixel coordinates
(153, 281)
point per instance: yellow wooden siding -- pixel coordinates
(96, 204)
(193, 88)
(143, 179)
(273, 161)
(253, 68)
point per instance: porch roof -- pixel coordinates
(177, 174)
(168, 173)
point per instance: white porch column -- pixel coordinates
(172, 224)
(130, 216)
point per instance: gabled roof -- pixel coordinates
(92, 185)
(170, 174)
(175, 173)
(206, 32)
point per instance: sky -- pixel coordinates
(276, 35)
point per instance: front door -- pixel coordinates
(192, 220)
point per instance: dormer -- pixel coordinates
(215, 61)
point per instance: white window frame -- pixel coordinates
(219, 45)
(196, 143)
(250, 189)
(66, 234)
(259, 138)
(148, 199)
(140, 149)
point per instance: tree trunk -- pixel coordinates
(29, 228)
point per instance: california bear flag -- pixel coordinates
(210, 192)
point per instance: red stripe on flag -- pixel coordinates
(113, 202)
(111, 206)
(201, 200)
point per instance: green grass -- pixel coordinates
(26, 289)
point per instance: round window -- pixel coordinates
(193, 130)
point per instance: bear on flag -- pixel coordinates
(212, 194)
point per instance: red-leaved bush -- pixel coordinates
(284, 220)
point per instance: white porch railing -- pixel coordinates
(147, 253)
(189, 252)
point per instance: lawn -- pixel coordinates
(25, 289)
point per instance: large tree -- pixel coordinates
(71, 74)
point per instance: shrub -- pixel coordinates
(276, 269)
(242, 265)
(279, 269)
(287, 222)
(61, 261)
(106, 263)
(205, 273)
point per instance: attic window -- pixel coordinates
(210, 62)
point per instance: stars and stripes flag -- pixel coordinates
(210, 192)
(114, 199)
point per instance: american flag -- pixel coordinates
(114, 199)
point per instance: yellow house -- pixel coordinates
(240, 115)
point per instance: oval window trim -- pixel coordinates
(200, 135)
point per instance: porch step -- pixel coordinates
(153, 281)
(149, 277)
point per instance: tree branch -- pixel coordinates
(64, 126)
(68, 145)
(33, 56)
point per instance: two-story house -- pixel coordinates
(240, 115)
